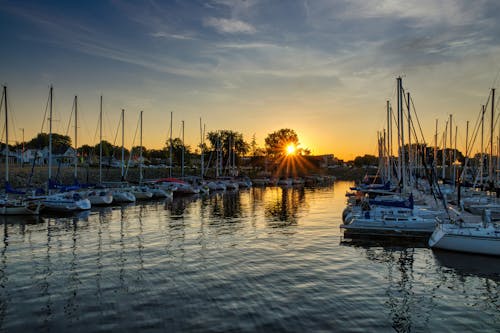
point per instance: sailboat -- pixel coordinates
(394, 215)
(471, 237)
(478, 238)
(9, 206)
(99, 196)
(60, 202)
(141, 192)
(122, 194)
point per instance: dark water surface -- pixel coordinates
(264, 260)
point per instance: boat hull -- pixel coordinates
(398, 228)
(22, 209)
(123, 197)
(476, 240)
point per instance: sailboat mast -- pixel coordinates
(492, 125)
(201, 150)
(234, 156)
(100, 140)
(467, 140)
(50, 132)
(123, 143)
(6, 136)
(140, 151)
(451, 144)
(410, 158)
(455, 157)
(443, 171)
(435, 146)
(171, 164)
(402, 147)
(182, 168)
(389, 138)
(76, 137)
(481, 163)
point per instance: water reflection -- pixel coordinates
(178, 205)
(464, 264)
(406, 310)
(225, 205)
(387, 243)
(283, 209)
(264, 258)
(4, 291)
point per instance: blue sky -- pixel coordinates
(323, 68)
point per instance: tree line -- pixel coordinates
(226, 142)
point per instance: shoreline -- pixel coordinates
(19, 176)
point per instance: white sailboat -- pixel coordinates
(60, 202)
(478, 238)
(141, 192)
(99, 196)
(9, 206)
(122, 193)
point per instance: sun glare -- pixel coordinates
(290, 149)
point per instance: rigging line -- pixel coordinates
(45, 113)
(84, 122)
(117, 130)
(70, 118)
(12, 120)
(496, 78)
(412, 124)
(97, 130)
(131, 149)
(475, 132)
(1, 102)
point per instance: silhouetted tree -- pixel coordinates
(277, 142)
(366, 160)
(228, 140)
(177, 147)
(59, 142)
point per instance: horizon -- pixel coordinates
(324, 69)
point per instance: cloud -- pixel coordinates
(161, 34)
(246, 45)
(229, 26)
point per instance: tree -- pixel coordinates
(177, 147)
(157, 153)
(253, 145)
(59, 142)
(107, 148)
(227, 141)
(366, 160)
(277, 142)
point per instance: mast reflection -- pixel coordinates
(283, 210)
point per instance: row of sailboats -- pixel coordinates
(68, 198)
(417, 208)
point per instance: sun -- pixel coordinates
(291, 149)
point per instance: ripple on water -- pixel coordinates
(261, 260)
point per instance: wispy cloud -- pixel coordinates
(254, 45)
(162, 34)
(229, 26)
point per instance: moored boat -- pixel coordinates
(478, 238)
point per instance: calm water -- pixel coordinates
(264, 260)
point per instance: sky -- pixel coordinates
(323, 68)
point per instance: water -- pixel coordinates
(266, 260)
